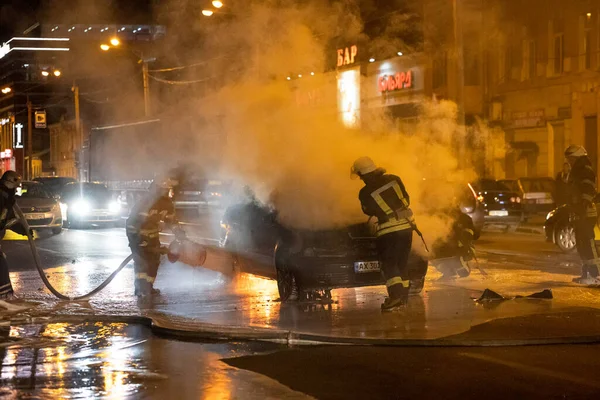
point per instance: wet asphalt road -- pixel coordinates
(120, 361)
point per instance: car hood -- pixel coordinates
(28, 202)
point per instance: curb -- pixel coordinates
(210, 332)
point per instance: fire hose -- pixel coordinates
(183, 250)
(38, 264)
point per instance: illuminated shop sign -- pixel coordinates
(394, 82)
(349, 97)
(6, 154)
(346, 55)
(18, 136)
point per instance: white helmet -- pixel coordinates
(575, 151)
(363, 166)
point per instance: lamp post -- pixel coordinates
(115, 44)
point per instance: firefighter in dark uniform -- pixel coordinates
(452, 254)
(582, 191)
(143, 228)
(384, 196)
(9, 183)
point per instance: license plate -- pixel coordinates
(362, 267)
(501, 213)
(545, 201)
(35, 216)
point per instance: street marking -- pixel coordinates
(534, 370)
(39, 248)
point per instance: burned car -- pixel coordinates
(307, 264)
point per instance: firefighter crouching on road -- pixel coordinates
(143, 227)
(9, 183)
(384, 196)
(582, 191)
(452, 254)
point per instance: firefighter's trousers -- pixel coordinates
(393, 251)
(586, 245)
(6, 288)
(452, 267)
(145, 266)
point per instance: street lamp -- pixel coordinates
(217, 4)
(141, 60)
(6, 90)
(207, 13)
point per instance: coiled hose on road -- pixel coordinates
(38, 264)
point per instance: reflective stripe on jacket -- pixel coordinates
(384, 196)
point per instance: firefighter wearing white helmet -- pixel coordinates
(582, 192)
(143, 229)
(9, 183)
(385, 197)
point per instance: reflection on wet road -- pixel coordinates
(117, 361)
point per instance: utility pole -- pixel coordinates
(146, 86)
(29, 141)
(78, 130)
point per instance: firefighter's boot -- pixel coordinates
(398, 297)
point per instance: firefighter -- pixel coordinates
(384, 196)
(452, 254)
(9, 183)
(143, 227)
(582, 191)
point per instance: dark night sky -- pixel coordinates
(18, 15)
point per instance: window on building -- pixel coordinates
(587, 48)
(532, 59)
(508, 63)
(471, 65)
(558, 54)
(440, 70)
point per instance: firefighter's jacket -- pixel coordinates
(385, 197)
(143, 224)
(582, 188)
(7, 214)
(459, 242)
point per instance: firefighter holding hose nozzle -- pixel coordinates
(385, 197)
(143, 228)
(9, 183)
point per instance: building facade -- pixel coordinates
(543, 65)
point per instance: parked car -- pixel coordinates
(537, 194)
(306, 261)
(189, 194)
(40, 207)
(511, 184)
(500, 204)
(55, 184)
(86, 203)
(560, 230)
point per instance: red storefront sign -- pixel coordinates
(399, 81)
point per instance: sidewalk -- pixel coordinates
(209, 305)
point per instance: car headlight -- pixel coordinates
(114, 207)
(550, 214)
(81, 207)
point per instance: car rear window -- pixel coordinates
(490, 185)
(538, 185)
